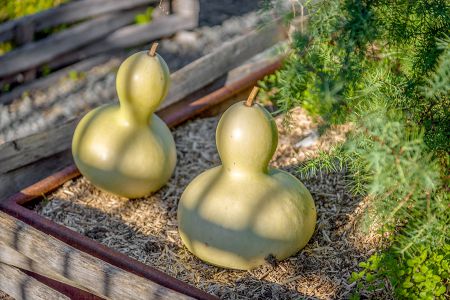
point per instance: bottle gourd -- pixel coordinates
(126, 149)
(238, 214)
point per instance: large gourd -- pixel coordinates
(240, 213)
(126, 149)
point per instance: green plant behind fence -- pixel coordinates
(15, 9)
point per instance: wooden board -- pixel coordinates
(230, 55)
(11, 257)
(128, 36)
(185, 17)
(83, 269)
(22, 286)
(53, 77)
(40, 52)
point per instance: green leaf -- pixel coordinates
(423, 269)
(423, 256)
(440, 291)
(411, 262)
(407, 284)
(370, 278)
(354, 296)
(435, 278)
(418, 277)
(445, 265)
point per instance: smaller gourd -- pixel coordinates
(126, 149)
(240, 213)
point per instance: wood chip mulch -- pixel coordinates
(146, 229)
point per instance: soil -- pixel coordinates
(146, 229)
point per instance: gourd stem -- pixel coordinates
(152, 50)
(252, 96)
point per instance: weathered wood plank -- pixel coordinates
(23, 287)
(37, 53)
(210, 67)
(26, 175)
(7, 30)
(127, 36)
(54, 77)
(68, 13)
(11, 257)
(34, 147)
(82, 268)
(189, 8)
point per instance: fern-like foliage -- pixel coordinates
(384, 66)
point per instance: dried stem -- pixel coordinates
(252, 96)
(152, 50)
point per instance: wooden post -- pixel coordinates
(24, 33)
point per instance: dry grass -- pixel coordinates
(146, 229)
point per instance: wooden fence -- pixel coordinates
(99, 26)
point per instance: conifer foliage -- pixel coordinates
(383, 65)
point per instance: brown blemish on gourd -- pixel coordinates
(272, 260)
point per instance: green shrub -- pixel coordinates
(383, 66)
(424, 276)
(10, 10)
(14, 9)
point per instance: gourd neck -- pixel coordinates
(135, 116)
(238, 170)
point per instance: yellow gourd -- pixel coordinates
(126, 149)
(240, 213)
